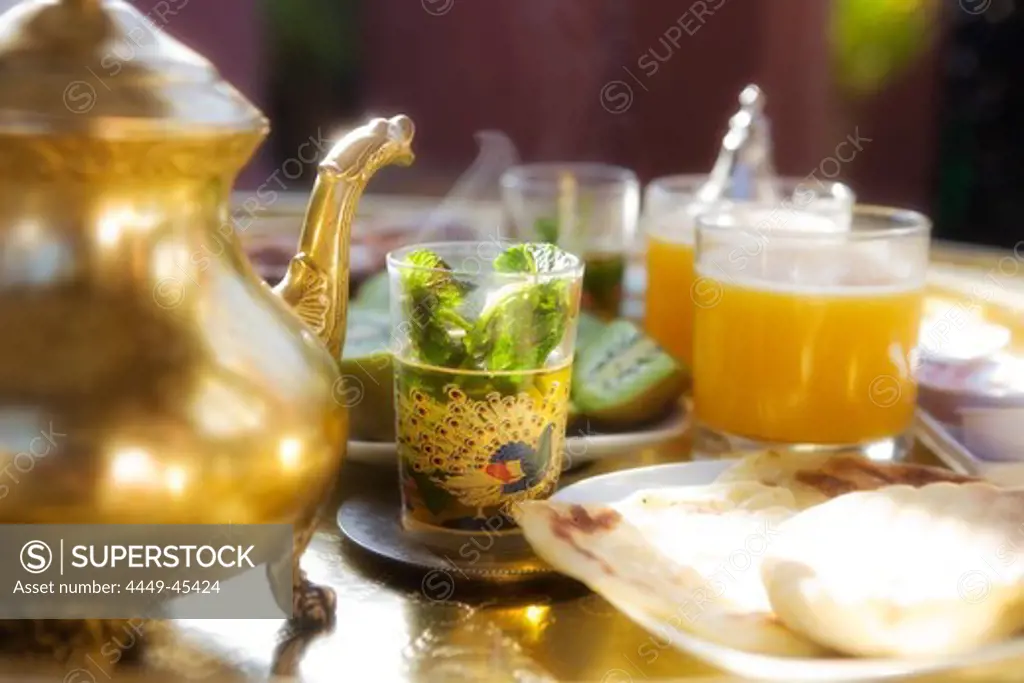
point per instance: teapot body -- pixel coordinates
(147, 375)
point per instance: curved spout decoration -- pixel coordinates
(316, 283)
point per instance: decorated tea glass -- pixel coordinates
(483, 349)
(589, 209)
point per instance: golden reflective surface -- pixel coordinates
(390, 628)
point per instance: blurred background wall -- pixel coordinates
(651, 84)
(931, 88)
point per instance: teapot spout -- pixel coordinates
(316, 282)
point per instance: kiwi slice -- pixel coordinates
(374, 294)
(588, 328)
(622, 378)
(368, 376)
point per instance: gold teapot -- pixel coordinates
(147, 374)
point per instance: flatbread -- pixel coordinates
(687, 558)
(815, 478)
(902, 571)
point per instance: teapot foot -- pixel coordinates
(302, 631)
(313, 607)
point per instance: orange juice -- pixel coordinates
(672, 293)
(824, 365)
(668, 311)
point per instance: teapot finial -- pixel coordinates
(316, 283)
(744, 168)
(752, 97)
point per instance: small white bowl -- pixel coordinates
(944, 341)
(993, 433)
(946, 390)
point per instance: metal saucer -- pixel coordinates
(374, 524)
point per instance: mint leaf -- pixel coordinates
(526, 321)
(438, 280)
(532, 258)
(546, 230)
(517, 259)
(431, 299)
(497, 341)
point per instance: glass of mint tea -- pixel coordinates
(589, 209)
(483, 347)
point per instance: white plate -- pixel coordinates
(587, 446)
(612, 487)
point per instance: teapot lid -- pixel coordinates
(103, 68)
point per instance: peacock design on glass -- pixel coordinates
(465, 459)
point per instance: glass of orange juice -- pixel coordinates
(669, 213)
(806, 337)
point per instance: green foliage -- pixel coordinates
(322, 33)
(432, 299)
(518, 327)
(526, 322)
(873, 41)
(532, 259)
(546, 230)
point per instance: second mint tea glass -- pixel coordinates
(590, 209)
(483, 353)
(807, 339)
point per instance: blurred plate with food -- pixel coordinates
(269, 230)
(625, 389)
(800, 567)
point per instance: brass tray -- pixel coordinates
(393, 625)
